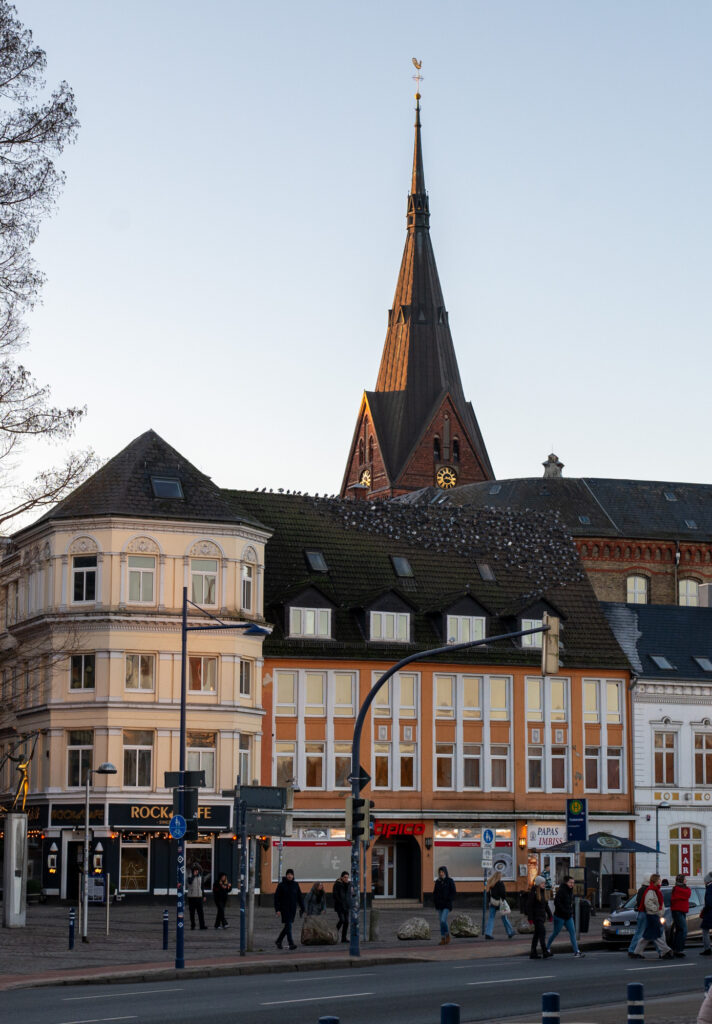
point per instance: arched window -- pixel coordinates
(636, 589)
(685, 850)
(688, 593)
(436, 448)
(360, 452)
(455, 450)
(370, 449)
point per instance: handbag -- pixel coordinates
(495, 902)
(504, 908)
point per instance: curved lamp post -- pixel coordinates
(104, 769)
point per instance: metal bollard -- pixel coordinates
(71, 927)
(450, 1013)
(165, 929)
(550, 1010)
(708, 982)
(636, 1006)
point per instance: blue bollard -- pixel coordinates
(165, 929)
(708, 982)
(71, 928)
(328, 1020)
(636, 1006)
(550, 1009)
(450, 1013)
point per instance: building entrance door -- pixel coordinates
(75, 859)
(383, 868)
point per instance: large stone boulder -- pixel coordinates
(463, 926)
(414, 928)
(316, 931)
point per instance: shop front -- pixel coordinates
(541, 836)
(316, 853)
(396, 856)
(458, 847)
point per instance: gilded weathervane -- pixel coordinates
(417, 78)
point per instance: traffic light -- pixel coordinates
(550, 645)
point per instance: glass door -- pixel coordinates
(383, 868)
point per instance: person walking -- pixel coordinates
(538, 913)
(706, 916)
(342, 904)
(679, 906)
(653, 905)
(640, 921)
(443, 895)
(287, 897)
(497, 896)
(564, 914)
(316, 900)
(221, 888)
(196, 898)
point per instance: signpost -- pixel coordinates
(487, 843)
(177, 826)
(577, 832)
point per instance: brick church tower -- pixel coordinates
(416, 429)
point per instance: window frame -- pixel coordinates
(85, 572)
(614, 755)
(283, 750)
(535, 757)
(141, 571)
(499, 713)
(382, 751)
(315, 751)
(137, 749)
(83, 763)
(592, 756)
(278, 676)
(471, 753)
(247, 586)
(201, 580)
(532, 639)
(560, 753)
(246, 677)
(299, 617)
(140, 656)
(661, 755)
(500, 759)
(84, 660)
(315, 709)
(204, 659)
(691, 598)
(244, 754)
(341, 710)
(637, 588)
(456, 633)
(383, 618)
(704, 756)
(203, 752)
(444, 754)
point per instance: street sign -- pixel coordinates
(268, 798)
(177, 826)
(191, 779)
(267, 823)
(487, 857)
(487, 846)
(363, 778)
(576, 820)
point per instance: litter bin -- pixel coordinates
(616, 899)
(584, 915)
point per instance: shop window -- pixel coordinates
(636, 589)
(665, 750)
(245, 757)
(342, 765)
(472, 765)
(310, 622)
(247, 574)
(142, 572)
(535, 768)
(462, 628)
(408, 683)
(82, 672)
(559, 759)
(140, 671)
(344, 694)
(199, 853)
(499, 759)
(592, 756)
(382, 765)
(80, 751)
(286, 771)
(686, 843)
(444, 696)
(286, 692)
(245, 678)
(202, 675)
(138, 757)
(84, 578)
(444, 762)
(703, 759)
(498, 698)
(204, 581)
(134, 866)
(200, 755)
(407, 766)
(614, 769)
(315, 696)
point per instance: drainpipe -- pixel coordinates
(677, 566)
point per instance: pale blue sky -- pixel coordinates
(227, 246)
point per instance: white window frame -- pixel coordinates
(507, 762)
(637, 589)
(407, 749)
(84, 572)
(408, 710)
(283, 750)
(592, 717)
(688, 592)
(461, 628)
(136, 748)
(247, 586)
(535, 755)
(137, 657)
(442, 710)
(205, 660)
(494, 712)
(614, 685)
(342, 710)
(381, 750)
(342, 751)
(83, 658)
(196, 757)
(315, 750)
(532, 639)
(397, 623)
(279, 709)
(244, 754)
(315, 709)
(381, 706)
(246, 677)
(565, 759)
(442, 755)
(201, 580)
(310, 623)
(468, 755)
(535, 714)
(663, 730)
(703, 755)
(143, 572)
(79, 748)
(587, 759)
(621, 768)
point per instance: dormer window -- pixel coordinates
(393, 626)
(532, 639)
(461, 628)
(166, 487)
(310, 622)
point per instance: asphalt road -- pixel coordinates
(411, 993)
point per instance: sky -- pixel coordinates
(222, 259)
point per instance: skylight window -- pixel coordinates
(486, 572)
(670, 495)
(690, 524)
(585, 520)
(704, 663)
(316, 561)
(166, 487)
(495, 488)
(401, 566)
(661, 661)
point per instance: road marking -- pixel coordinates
(369, 974)
(309, 999)
(113, 995)
(660, 967)
(500, 981)
(96, 1020)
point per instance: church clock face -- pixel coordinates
(446, 477)
(365, 477)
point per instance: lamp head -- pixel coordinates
(106, 769)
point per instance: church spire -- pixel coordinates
(418, 207)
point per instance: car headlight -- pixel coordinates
(606, 922)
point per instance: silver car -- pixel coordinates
(619, 927)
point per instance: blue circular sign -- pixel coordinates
(177, 826)
(488, 836)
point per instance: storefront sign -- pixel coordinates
(74, 815)
(543, 834)
(210, 816)
(576, 820)
(37, 815)
(391, 829)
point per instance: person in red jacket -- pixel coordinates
(679, 905)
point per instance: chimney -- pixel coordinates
(552, 467)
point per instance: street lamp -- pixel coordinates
(104, 769)
(659, 807)
(249, 629)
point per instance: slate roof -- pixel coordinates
(677, 633)
(122, 487)
(610, 508)
(532, 556)
(418, 364)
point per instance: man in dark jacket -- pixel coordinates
(287, 897)
(564, 914)
(342, 904)
(443, 895)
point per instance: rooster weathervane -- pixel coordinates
(417, 78)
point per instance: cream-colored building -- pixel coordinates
(91, 658)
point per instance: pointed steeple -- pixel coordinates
(419, 371)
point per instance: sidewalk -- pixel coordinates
(38, 954)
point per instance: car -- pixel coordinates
(618, 928)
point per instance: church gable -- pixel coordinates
(366, 470)
(444, 456)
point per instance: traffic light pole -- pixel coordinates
(355, 778)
